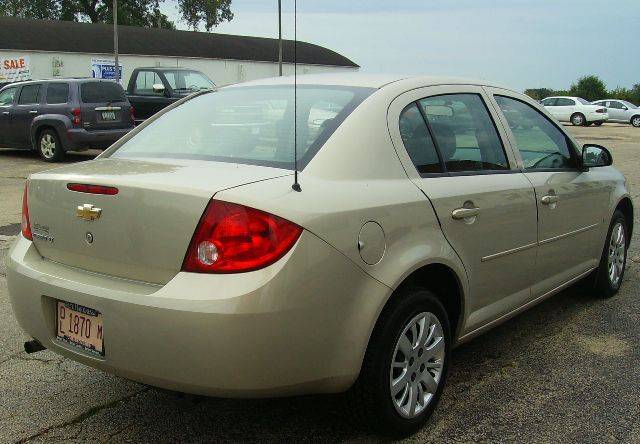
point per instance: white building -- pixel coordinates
(40, 49)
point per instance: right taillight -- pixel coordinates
(26, 223)
(76, 112)
(232, 238)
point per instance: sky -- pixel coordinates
(519, 43)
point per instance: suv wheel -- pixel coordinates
(614, 258)
(405, 366)
(49, 146)
(577, 119)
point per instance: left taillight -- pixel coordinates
(232, 238)
(26, 223)
(76, 116)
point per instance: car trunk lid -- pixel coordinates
(143, 231)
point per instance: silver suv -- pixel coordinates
(55, 116)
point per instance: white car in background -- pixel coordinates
(621, 111)
(576, 110)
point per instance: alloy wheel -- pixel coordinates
(48, 146)
(417, 364)
(577, 120)
(617, 254)
(636, 122)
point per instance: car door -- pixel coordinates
(455, 154)
(572, 202)
(617, 111)
(26, 109)
(7, 104)
(564, 109)
(146, 101)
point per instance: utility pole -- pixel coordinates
(115, 39)
(279, 36)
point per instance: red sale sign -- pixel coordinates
(15, 69)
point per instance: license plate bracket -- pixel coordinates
(81, 327)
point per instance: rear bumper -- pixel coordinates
(299, 326)
(77, 138)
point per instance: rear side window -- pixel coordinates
(549, 102)
(101, 92)
(29, 94)
(57, 93)
(541, 144)
(464, 133)
(6, 96)
(418, 141)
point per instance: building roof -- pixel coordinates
(59, 36)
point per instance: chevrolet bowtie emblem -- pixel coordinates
(88, 212)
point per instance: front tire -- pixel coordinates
(578, 119)
(610, 272)
(405, 366)
(635, 121)
(49, 146)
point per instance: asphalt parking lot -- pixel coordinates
(566, 371)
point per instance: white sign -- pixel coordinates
(15, 69)
(105, 69)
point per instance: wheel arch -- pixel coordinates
(40, 123)
(626, 207)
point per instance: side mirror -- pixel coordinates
(595, 156)
(158, 88)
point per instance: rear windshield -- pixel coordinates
(252, 125)
(101, 92)
(583, 101)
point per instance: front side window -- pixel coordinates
(615, 105)
(464, 133)
(549, 102)
(417, 141)
(57, 93)
(144, 83)
(185, 80)
(6, 96)
(540, 143)
(251, 125)
(29, 95)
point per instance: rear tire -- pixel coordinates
(578, 119)
(49, 146)
(635, 121)
(416, 322)
(610, 273)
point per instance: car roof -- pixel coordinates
(357, 79)
(167, 68)
(65, 79)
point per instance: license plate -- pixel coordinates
(108, 115)
(80, 326)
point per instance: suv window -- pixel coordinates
(101, 92)
(6, 96)
(57, 93)
(465, 135)
(144, 83)
(541, 144)
(29, 94)
(418, 142)
(565, 102)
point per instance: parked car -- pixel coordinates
(152, 89)
(56, 116)
(576, 110)
(621, 111)
(188, 256)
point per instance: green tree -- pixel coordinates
(539, 93)
(621, 93)
(589, 87)
(146, 13)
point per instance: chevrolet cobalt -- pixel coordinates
(260, 240)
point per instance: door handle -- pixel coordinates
(465, 213)
(33, 111)
(549, 199)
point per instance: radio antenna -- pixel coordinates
(296, 185)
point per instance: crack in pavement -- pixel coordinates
(78, 419)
